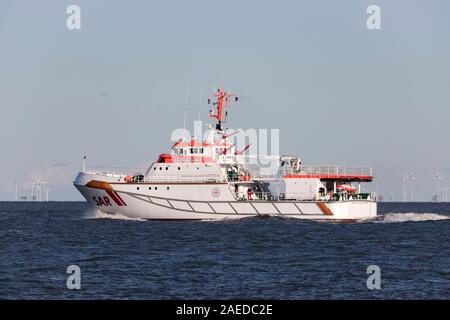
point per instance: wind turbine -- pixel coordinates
(412, 178)
(40, 185)
(33, 191)
(405, 186)
(377, 180)
(36, 189)
(46, 194)
(437, 177)
(445, 194)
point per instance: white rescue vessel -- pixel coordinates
(209, 179)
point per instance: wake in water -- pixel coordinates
(386, 218)
(412, 216)
(97, 214)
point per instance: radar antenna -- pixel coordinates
(223, 101)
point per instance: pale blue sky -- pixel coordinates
(115, 90)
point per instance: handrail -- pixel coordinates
(269, 196)
(122, 171)
(322, 170)
(304, 170)
(184, 178)
(164, 178)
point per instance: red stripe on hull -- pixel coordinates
(114, 197)
(120, 198)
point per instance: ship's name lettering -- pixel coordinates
(102, 201)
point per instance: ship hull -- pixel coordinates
(127, 201)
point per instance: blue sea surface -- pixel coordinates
(267, 258)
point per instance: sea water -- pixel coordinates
(268, 258)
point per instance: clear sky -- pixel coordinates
(115, 90)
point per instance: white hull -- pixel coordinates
(169, 204)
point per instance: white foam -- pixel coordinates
(387, 218)
(412, 216)
(224, 219)
(97, 214)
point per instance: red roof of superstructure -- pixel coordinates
(170, 158)
(192, 143)
(195, 143)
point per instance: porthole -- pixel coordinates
(167, 168)
(156, 188)
(179, 168)
(160, 168)
(149, 188)
(168, 188)
(137, 188)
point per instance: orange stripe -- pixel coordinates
(324, 208)
(99, 185)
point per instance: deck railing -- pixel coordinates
(325, 171)
(269, 196)
(152, 178)
(116, 171)
(201, 178)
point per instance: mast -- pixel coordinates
(223, 101)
